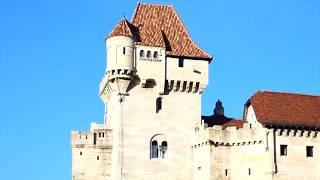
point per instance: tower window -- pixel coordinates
(226, 172)
(98, 158)
(124, 50)
(163, 149)
(249, 171)
(309, 150)
(156, 55)
(283, 150)
(158, 104)
(148, 54)
(180, 64)
(141, 53)
(154, 149)
(80, 153)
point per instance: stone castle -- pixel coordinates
(153, 128)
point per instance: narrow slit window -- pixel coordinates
(226, 172)
(80, 153)
(124, 50)
(309, 150)
(158, 104)
(249, 171)
(283, 150)
(98, 157)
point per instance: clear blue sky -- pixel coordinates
(52, 57)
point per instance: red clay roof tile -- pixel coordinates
(286, 109)
(233, 123)
(160, 26)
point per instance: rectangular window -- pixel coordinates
(158, 104)
(249, 171)
(226, 172)
(283, 150)
(309, 151)
(180, 62)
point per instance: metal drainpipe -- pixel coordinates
(275, 152)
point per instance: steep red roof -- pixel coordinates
(233, 123)
(160, 26)
(276, 108)
(122, 29)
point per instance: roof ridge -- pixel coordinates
(285, 92)
(189, 36)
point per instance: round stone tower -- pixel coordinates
(120, 56)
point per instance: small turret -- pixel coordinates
(120, 55)
(219, 110)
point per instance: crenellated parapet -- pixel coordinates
(99, 136)
(230, 136)
(185, 86)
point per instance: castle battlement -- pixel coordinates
(230, 136)
(98, 136)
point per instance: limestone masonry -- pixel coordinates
(153, 128)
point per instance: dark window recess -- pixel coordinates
(80, 153)
(180, 62)
(142, 53)
(309, 151)
(226, 172)
(148, 54)
(163, 149)
(249, 171)
(98, 158)
(124, 50)
(154, 149)
(94, 138)
(155, 55)
(283, 150)
(158, 104)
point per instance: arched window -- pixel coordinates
(156, 55)
(163, 149)
(148, 54)
(158, 150)
(141, 53)
(154, 149)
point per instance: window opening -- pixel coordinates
(180, 62)
(156, 55)
(283, 150)
(163, 149)
(141, 53)
(80, 153)
(158, 104)
(154, 149)
(309, 151)
(249, 171)
(226, 172)
(148, 54)
(124, 50)
(98, 158)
